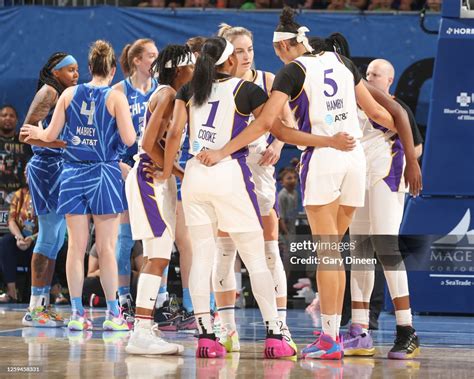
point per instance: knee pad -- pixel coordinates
(223, 278)
(123, 249)
(251, 248)
(52, 230)
(388, 252)
(275, 265)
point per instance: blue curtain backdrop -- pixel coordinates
(31, 34)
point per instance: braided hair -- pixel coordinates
(171, 53)
(46, 74)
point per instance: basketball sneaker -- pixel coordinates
(42, 317)
(167, 317)
(187, 321)
(276, 346)
(209, 347)
(113, 323)
(323, 348)
(406, 345)
(229, 339)
(128, 312)
(79, 323)
(357, 343)
(149, 341)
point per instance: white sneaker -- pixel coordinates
(229, 338)
(146, 341)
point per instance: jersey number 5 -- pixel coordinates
(330, 82)
(88, 112)
(212, 115)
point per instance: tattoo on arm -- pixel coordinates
(44, 100)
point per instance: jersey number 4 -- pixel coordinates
(88, 112)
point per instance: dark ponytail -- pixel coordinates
(46, 74)
(205, 69)
(339, 44)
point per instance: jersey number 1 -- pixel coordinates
(212, 115)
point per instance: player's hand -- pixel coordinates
(210, 157)
(154, 171)
(413, 177)
(270, 157)
(343, 141)
(31, 132)
(125, 169)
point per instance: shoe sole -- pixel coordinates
(337, 356)
(163, 351)
(359, 352)
(403, 356)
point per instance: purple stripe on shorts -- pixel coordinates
(147, 192)
(394, 176)
(240, 123)
(250, 186)
(305, 159)
(301, 104)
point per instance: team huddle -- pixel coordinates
(184, 148)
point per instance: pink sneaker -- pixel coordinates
(209, 348)
(323, 348)
(278, 348)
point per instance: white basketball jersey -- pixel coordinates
(326, 105)
(259, 146)
(147, 117)
(216, 122)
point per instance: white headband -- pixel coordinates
(300, 37)
(184, 60)
(229, 49)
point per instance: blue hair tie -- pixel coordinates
(66, 61)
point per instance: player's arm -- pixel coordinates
(121, 111)
(34, 132)
(157, 126)
(402, 125)
(44, 100)
(173, 137)
(372, 108)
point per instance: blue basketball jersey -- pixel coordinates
(138, 102)
(38, 150)
(91, 131)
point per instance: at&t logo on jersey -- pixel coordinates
(329, 119)
(76, 140)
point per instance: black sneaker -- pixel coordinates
(168, 316)
(128, 312)
(188, 321)
(406, 345)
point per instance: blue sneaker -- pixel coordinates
(323, 348)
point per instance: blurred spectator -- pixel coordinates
(433, 5)
(380, 5)
(338, 5)
(13, 154)
(93, 293)
(403, 5)
(288, 203)
(16, 247)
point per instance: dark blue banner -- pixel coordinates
(31, 34)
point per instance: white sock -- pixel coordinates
(282, 315)
(329, 323)
(204, 324)
(227, 316)
(160, 299)
(338, 324)
(403, 317)
(35, 301)
(143, 322)
(273, 327)
(360, 316)
(238, 281)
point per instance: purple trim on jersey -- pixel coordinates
(301, 64)
(301, 104)
(394, 176)
(240, 123)
(270, 139)
(305, 160)
(237, 87)
(378, 126)
(250, 186)
(147, 192)
(264, 82)
(276, 207)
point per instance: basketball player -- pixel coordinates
(263, 155)
(380, 219)
(43, 170)
(153, 203)
(95, 118)
(217, 108)
(323, 90)
(135, 61)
